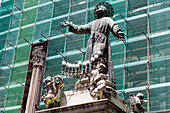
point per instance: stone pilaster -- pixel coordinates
(38, 60)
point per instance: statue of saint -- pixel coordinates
(99, 30)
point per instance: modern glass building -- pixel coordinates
(141, 65)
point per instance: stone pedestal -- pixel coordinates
(80, 101)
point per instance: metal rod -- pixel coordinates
(18, 8)
(80, 50)
(148, 56)
(125, 51)
(11, 45)
(2, 50)
(67, 30)
(145, 35)
(62, 32)
(9, 13)
(60, 53)
(23, 85)
(146, 12)
(43, 36)
(123, 18)
(21, 109)
(6, 88)
(9, 66)
(132, 28)
(27, 41)
(147, 88)
(76, 2)
(52, 1)
(134, 75)
(69, 15)
(123, 94)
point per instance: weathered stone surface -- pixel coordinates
(75, 97)
(98, 106)
(80, 101)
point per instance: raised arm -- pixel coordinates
(77, 29)
(116, 30)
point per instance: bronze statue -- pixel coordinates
(99, 30)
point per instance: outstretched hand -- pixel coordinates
(65, 23)
(121, 36)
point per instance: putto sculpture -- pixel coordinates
(53, 89)
(99, 30)
(136, 103)
(98, 81)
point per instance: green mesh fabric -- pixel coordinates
(13, 111)
(14, 96)
(139, 64)
(5, 20)
(13, 53)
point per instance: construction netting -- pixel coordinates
(141, 64)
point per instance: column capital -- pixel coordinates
(38, 56)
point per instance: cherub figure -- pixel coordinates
(53, 89)
(136, 103)
(98, 81)
(99, 30)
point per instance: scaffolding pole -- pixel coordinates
(14, 53)
(49, 35)
(65, 45)
(125, 56)
(86, 21)
(148, 56)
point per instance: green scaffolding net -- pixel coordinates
(141, 65)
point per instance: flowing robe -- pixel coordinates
(98, 41)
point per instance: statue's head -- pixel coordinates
(48, 79)
(103, 9)
(140, 96)
(131, 96)
(101, 68)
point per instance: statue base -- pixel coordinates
(80, 101)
